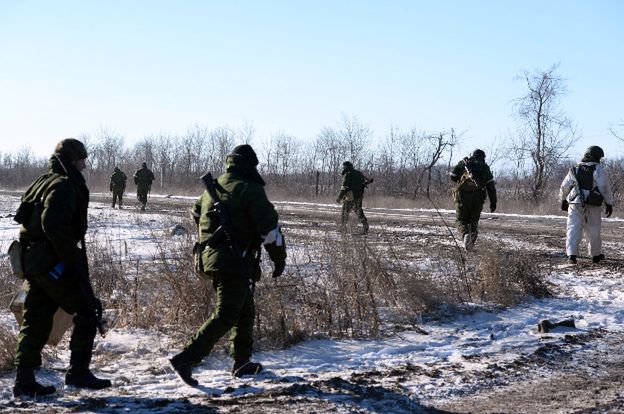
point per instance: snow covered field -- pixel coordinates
(405, 371)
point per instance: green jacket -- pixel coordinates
(143, 177)
(56, 218)
(118, 180)
(241, 190)
(481, 173)
(353, 180)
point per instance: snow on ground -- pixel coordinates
(137, 360)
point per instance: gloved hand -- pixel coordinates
(564, 205)
(279, 268)
(97, 307)
(492, 207)
(609, 210)
(338, 200)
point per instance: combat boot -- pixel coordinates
(246, 367)
(142, 207)
(84, 378)
(572, 259)
(184, 367)
(26, 385)
(365, 227)
(598, 259)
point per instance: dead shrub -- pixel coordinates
(506, 278)
(8, 345)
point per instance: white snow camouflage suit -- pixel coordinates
(581, 216)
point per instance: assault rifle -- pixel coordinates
(84, 281)
(470, 174)
(225, 229)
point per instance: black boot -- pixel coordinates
(84, 378)
(184, 367)
(25, 384)
(364, 226)
(246, 367)
(572, 259)
(599, 258)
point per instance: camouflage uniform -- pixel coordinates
(143, 178)
(53, 218)
(469, 198)
(118, 185)
(353, 182)
(255, 222)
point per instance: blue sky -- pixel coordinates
(144, 67)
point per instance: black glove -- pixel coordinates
(97, 307)
(279, 268)
(492, 207)
(564, 205)
(338, 200)
(609, 210)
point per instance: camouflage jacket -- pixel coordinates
(254, 221)
(480, 172)
(118, 180)
(143, 177)
(56, 219)
(352, 180)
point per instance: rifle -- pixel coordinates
(471, 175)
(225, 229)
(87, 290)
(580, 193)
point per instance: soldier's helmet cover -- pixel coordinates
(478, 154)
(144, 165)
(246, 154)
(71, 149)
(594, 152)
(347, 164)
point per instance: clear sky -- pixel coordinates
(144, 67)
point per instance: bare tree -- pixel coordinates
(617, 130)
(546, 132)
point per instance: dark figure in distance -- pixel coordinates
(143, 178)
(352, 194)
(118, 185)
(474, 183)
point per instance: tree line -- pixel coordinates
(408, 163)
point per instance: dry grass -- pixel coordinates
(8, 344)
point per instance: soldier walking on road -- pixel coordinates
(352, 194)
(583, 191)
(53, 218)
(118, 185)
(143, 178)
(254, 223)
(474, 182)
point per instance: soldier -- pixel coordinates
(351, 194)
(582, 193)
(474, 182)
(53, 218)
(118, 185)
(143, 179)
(255, 222)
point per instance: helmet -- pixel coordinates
(245, 154)
(347, 164)
(71, 149)
(144, 165)
(478, 154)
(594, 153)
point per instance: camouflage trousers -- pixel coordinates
(234, 312)
(468, 211)
(45, 296)
(117, 194)
(142, 194)
(355, 205)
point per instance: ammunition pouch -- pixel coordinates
(594, 198)
(198, 262)
(16, 259)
